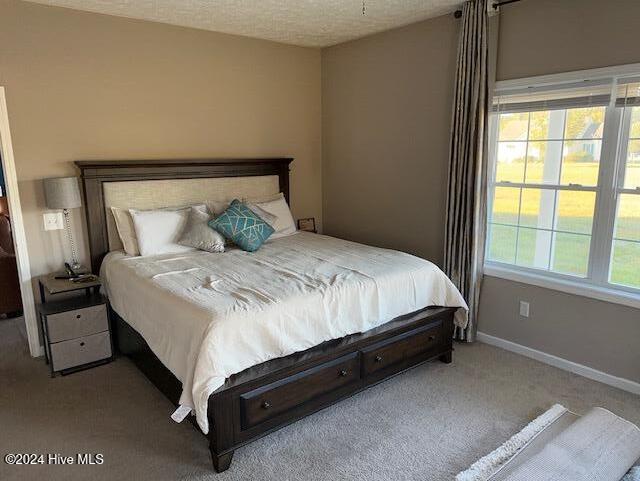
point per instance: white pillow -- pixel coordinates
(126, 231)
(284, 224)
(263, 214)
(158, 231)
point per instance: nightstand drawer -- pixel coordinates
(77, 323)
(67, 354)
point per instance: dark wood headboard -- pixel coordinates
(93, 174)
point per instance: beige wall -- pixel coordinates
(87, 86)
(594, 333)
(539, 37)
(386, 113)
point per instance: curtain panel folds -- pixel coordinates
(466, 193)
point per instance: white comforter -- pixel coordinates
(208, 316)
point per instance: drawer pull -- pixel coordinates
(378, 359)
(82, 344)
(432, 337)
(266, 405)
(343, 373)
(78, 316)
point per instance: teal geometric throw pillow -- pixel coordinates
(242, 226)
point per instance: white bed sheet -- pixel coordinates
(210, 315)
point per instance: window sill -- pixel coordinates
(570, 287)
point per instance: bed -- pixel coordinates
(251, 342)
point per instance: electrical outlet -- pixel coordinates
(53, 221)
(524, 308)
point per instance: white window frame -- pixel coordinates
(609, 187)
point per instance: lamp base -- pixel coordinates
(77, 269)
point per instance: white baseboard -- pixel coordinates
(574, 367)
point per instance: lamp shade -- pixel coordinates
(62, 193)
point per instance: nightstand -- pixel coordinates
(48, 284)
(76, 331)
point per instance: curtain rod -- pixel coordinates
(495, 5)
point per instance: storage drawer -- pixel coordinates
(268, 401)
(392, 354)
(76, 352)
(80, 322)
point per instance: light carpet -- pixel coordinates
(426, 424)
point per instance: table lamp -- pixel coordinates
(64, 193)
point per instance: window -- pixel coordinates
(625, 253)
(564, 190)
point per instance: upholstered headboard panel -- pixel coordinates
(148, 184)
(153, 194)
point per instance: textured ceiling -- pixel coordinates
(312, 23)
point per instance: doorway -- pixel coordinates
(16, 223)
(10, 296)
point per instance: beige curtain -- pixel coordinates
(466, 194)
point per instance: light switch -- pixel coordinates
(524, 308)
(53, 221)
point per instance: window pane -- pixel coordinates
(635, 123)
(534, 247)
(513, 126)
(543, 162)
(575, 211)
(506, 205)
(580, 162)
(628, 217)
(632, 172)
(536, 208)
(539, 126)
(585, 123)
(570, 254)
(510, 165)
(625, 263)
(547, 125)
(502, 243)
